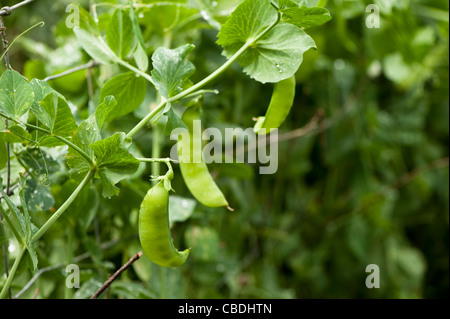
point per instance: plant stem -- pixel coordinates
(62, 139)
(77, 149)
(63, 207)
(88, 65)
(147, 119)
(135, 70)
(116, 275)
(13, 272)
(156, 150)
(12, 226)
(202, 83)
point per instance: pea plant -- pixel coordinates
(266, 38)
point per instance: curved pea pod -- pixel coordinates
(193, 168)
(279, 107)
(154, 229)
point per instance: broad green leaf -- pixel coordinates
(87, 289)
(30, 229)
(87, 22)
(120, 35)
(207, 10)
(105, 111)
(135, 23)
(171, 69)
(278, 55)
(181, 208)
(274, 57)
(54, 112)
(40, 89)
(38, 161)
(15, 134)
(16, 94)
(16, 213)
(129, 91)
(305, 17)
(284, 4)
(87, 133)
(247, 22)
(95, 46)
(179, 18)
(38, 197)
(114, 162)
(173, 121)
(140, 54)
(205, 241)
(141, 58)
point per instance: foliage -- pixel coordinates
(368, 185)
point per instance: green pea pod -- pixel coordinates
(154, 229)
(193, 168)
(279, 108)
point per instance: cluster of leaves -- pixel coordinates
(339, 200)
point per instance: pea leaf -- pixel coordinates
(94, 46)
(38, 197)
(105, 111)
(40, 89)
(88, 132)
(54, 112)
(306, 17)
(38, 161)
(140, 54)
(129, 91)
(247, 21)
(205, 241)
(16, 94)
(14, 134)
(114, 162)
(274, 57)
(120, 35)
(181, 208)
(171, 69)
(29, 228)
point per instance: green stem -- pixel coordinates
(62, 139)
(77, 149)
(147, 119)
(202, 83)
(63, 207)
(155, 160)
(12, 226)
(12, 272)
(156, 151)
(136, 70)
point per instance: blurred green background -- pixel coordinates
(368, 185)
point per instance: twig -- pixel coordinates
(53, 267)
(116, 274)
(8, 163)
(6, 11)
(88, 65)
(407, 178)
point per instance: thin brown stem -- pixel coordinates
(410, 176)
(4, 42)
(116, 275)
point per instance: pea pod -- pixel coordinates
(154, 228)
(195, 172)
(279, 107)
